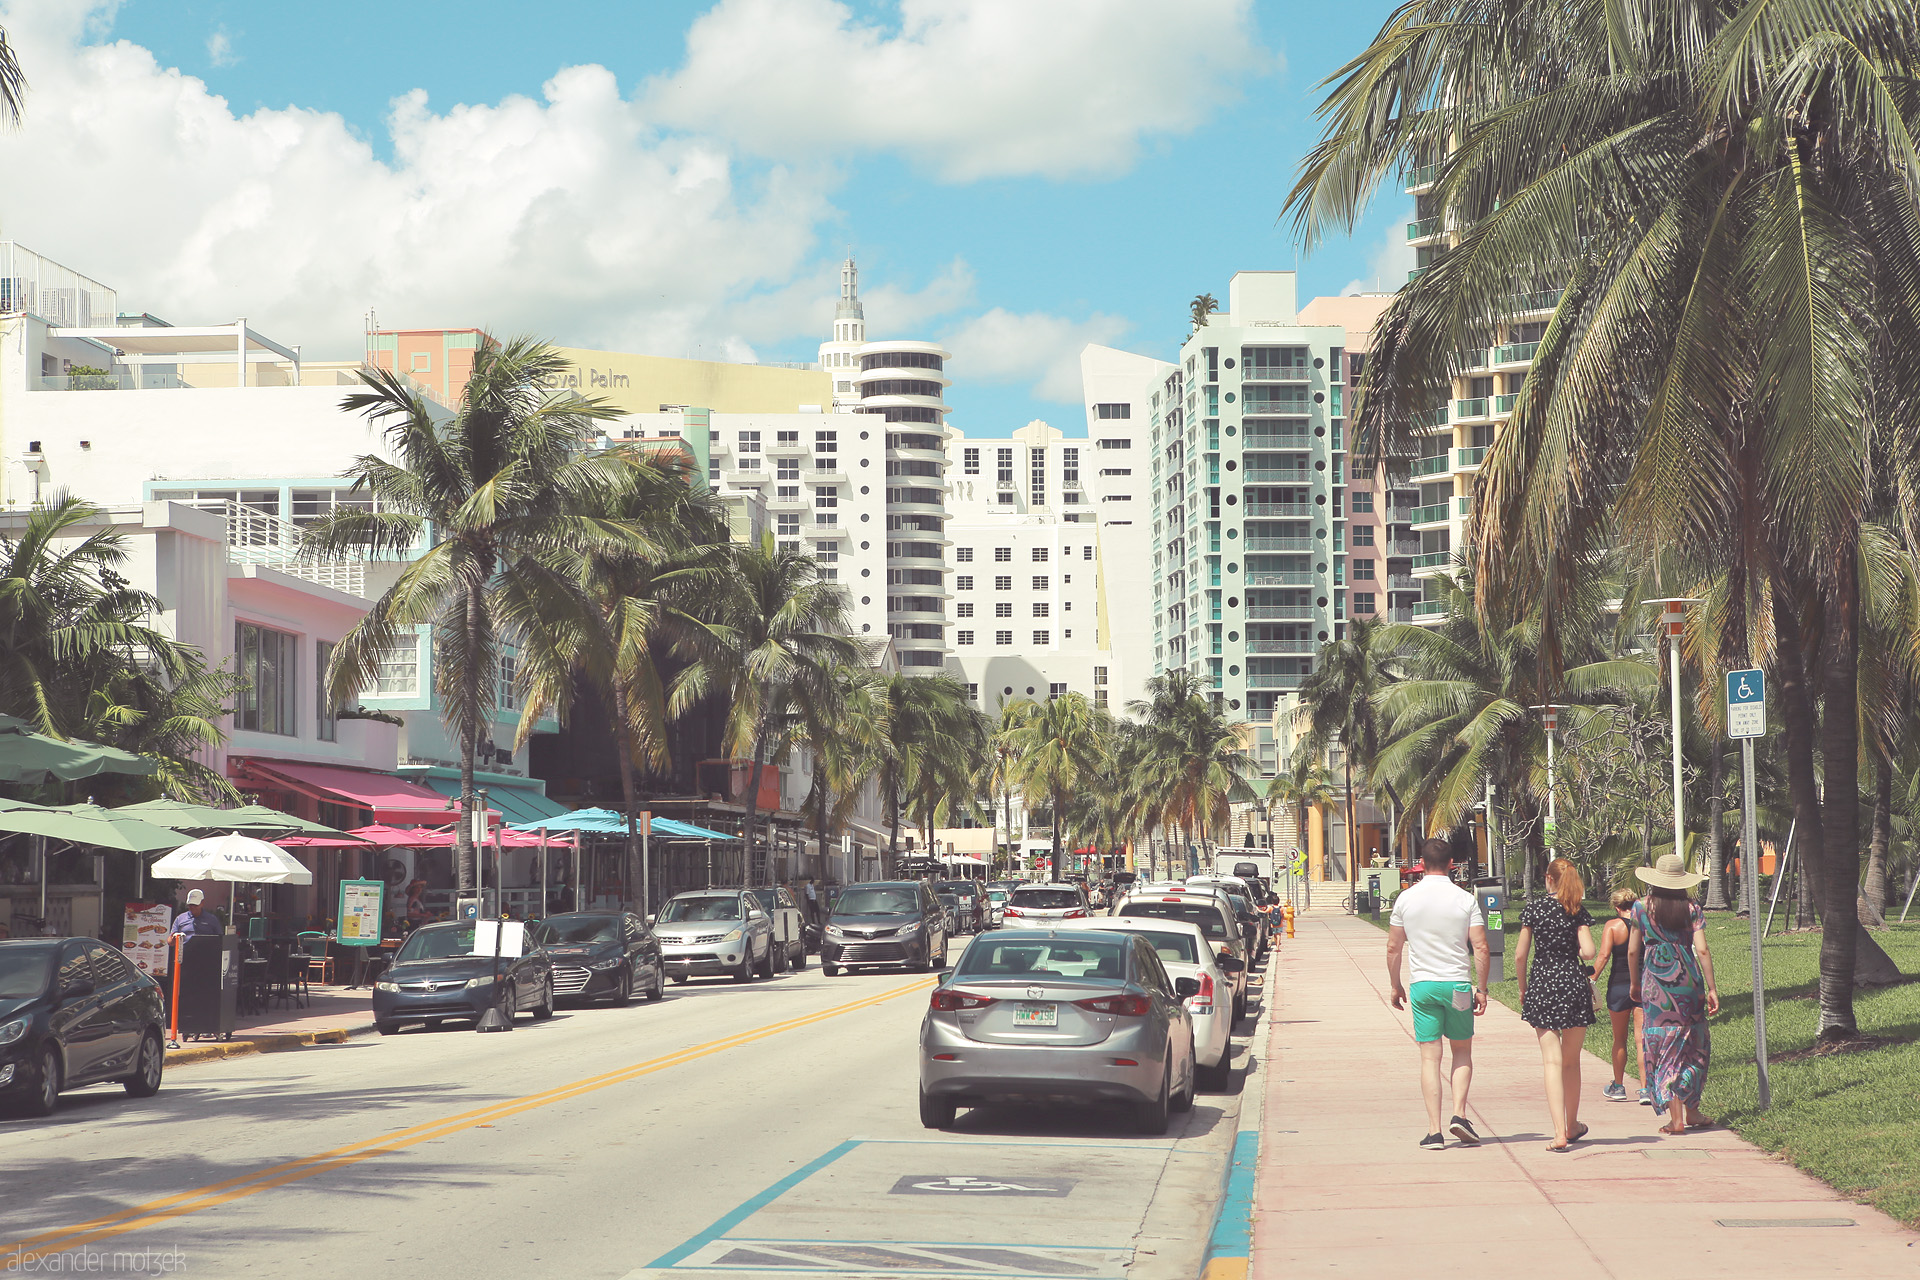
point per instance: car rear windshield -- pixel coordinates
(692, 909)
(437, 944)
(1046, 899)
(963, 888)
(23, 971)
(1181, 948)
(1079, 957)
(1204, 914)
(575, 929)
(877, 902)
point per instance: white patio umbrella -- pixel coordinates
(232, 857)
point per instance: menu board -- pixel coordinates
(362, 908)
(144, 936)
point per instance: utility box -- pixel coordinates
(1491, 894)
(209, 985)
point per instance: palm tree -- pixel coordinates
(1337, 700)
(644, 603)
(1202, 307)
(1061, 745)
(1193, 762)
(505, 495)
(775, 630)
(13, 83)
(998, 768)
(948, 746)
(1717, 201)
(1305, 785)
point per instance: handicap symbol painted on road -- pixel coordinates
(930, 1184)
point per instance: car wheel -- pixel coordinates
(745, 972)
(765, 967)
(679, 977)
(624, 992)
(658, 991)
(510, 1001)
(777, 959)
(936, 1113)
(386, 1028)
(1183, 1101)
(798, 960)
(1151, 1117)
(147, 1066)
(544, 1009)
(831, 970)
(46, 1091)
(431, 1024)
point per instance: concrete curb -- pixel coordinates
(216, 1050)
(1228, 1252)
(1179, 1221)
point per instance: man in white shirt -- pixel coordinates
(1439, 927)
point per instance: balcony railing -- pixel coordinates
(1430, 466)
(1402, 582)
(1429, 608)
(1302, 578)
(1264, 441)
(1424, 176)
(1279, 544)
(1422, 229)
(1297, 510)
(1396, 615)
(1515, 352)
(1539, 300)
(1475, 359)
(1430, 514)
(1473, 408)
(255, 537)
(1265, 680)
(1416, 273)
(1433, 560)
(1277, 475)
(1464, 459)
(1282, 646)
(1503, 405)
(1288, 611)
(1403, 548)
(1430, 419)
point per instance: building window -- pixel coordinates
(1058, 689)
(1003, 637)
(1362, 502)
(786, 493)
(1114, 442)
(1003, 554)
(1040, 608)
(1363, 568)
(1003, 609)
(1003, 466)
(786, 526)
(1112, 411)
(826, 441)
(1070, 466)
(1037, 476)
(963, 637)
(506, 697)
(973, 693)
(399, 665)
(1040, 581)
(1362, 534)
(963, 582)
(963, 555)
(1003, 583)
(1363, 602)
(787, 439)
(1086, 553)
(827, 556)
(964, 609)
(1043, 637)
(1040, 555)
(749, 464)
(749, 442)
(1100, 698)
(326, 723)
(826, 496)
(786, 469)
(970, 461)
(266, 663)
(1099, 677)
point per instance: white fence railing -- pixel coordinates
(257, 537)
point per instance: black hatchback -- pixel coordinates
(602, 955)
(73, 1013)
(889, 922)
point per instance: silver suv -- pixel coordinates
(712, 933)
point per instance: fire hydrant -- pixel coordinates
(1286, 913)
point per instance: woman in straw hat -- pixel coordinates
(1673, 972)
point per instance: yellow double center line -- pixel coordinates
(155, 1212)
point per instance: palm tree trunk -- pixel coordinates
(1716, 806)
(753, 789)
(1875, 885)
(893, 819)
(1839, 850)
(1353, 868)
(1054, 799)
(820, 818)
(622, 740)
(463, 834)
(1797, 729)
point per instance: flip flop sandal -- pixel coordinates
(1585, 1129)
(1561, 1150)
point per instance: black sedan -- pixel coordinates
(602, 955)
(73, 1013)
(436, 978)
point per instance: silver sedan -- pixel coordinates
(1058, 1016)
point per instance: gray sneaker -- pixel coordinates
(1614, 1092)
(1434, 1142)
(1646, 1097)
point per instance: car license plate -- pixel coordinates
(1037, 1015)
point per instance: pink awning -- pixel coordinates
(391, 799)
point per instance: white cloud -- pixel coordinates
(968, 89)
(220, 49)
(1387, 269)
(1033, 347)
(567, 216)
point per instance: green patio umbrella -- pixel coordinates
(253, 819)
(32, 758)
(94, 825)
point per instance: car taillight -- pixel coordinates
(946, 1001)
(1203, 1001)
(1127, 1006)
(1076, 914)
(1013, 911)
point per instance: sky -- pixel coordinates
(1016, 178)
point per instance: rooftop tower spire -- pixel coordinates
(850, 318)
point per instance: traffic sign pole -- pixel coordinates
(1747, 720)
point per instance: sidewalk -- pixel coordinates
(1343, 1190)
(331, 1015)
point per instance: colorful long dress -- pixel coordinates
(1674, 997)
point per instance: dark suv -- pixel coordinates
(888, 922)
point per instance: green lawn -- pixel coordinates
(1850, 1119)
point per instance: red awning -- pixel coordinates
(391, 799)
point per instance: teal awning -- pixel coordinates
(519, 800)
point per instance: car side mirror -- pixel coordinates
(1186, 988)
(1227, 964)
(944, 974)
(650, 920)
(74, 990)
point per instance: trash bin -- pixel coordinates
(209, 985)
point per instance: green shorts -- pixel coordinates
(1442, 1009)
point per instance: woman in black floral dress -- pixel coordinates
(1556, 992)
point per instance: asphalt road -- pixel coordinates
(726, 1130)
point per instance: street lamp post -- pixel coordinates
(1673, 617)
(1550, 719)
